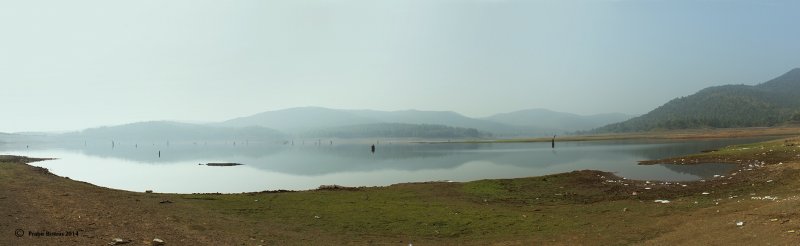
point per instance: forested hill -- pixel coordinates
(768, 104)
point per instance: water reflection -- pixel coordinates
(134, 166)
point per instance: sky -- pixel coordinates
(69, 65)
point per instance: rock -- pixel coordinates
(157, 242)
(223, 164)
(740, 223)
(118, 241)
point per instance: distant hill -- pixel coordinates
(399, 130)
(309, 120)
(161, 131)
(299, 120)
(8, 138)
(557, 122)
(770, 103)
(447, 118)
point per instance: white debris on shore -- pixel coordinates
(770, 198)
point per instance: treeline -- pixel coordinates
(399, 130)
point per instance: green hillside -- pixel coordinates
(771, 103)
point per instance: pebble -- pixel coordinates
(157, 242)
(118, 241)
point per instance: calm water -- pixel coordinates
(270, 166)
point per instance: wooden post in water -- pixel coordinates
(553, 142)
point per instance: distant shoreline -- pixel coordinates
(655, 135)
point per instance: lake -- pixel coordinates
(302, 166)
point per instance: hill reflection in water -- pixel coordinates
(306, 166)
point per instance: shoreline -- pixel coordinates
(670, 161)
(559, 209)
(661, 135)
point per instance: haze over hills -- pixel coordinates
(520, 123)
(771, 103)
(398, 130)
(557, 122)
(448, 118)
(158, 131)
(313, 122)
(298, 120)
(304, 119)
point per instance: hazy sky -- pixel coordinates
(67, 65)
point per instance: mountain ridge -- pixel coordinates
(558, 121)
(304, 119)
(156, 131)
(770, 103)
